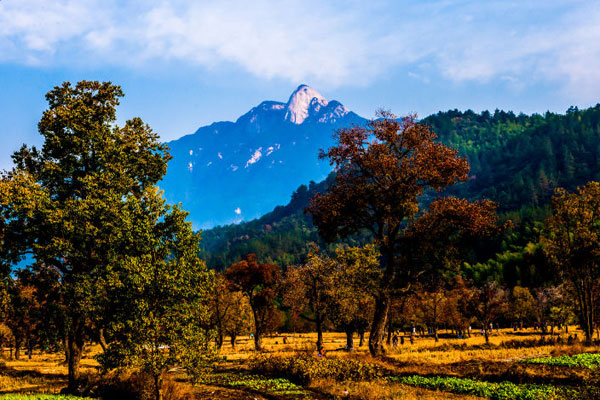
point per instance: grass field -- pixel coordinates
(514, 365)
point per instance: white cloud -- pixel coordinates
(238, 211)
(327, 43)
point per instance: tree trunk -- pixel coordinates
(257, 327)
(435, 333)
(17, 350)
(158, 380)
(76, 345)
(219, 340)
(257, 341)
(102, 339)
(589, 314)
(382, 306)
(584, 293)
(319, 322)
(65, 342)
(233, 341)
(361, 340)
(487, 337)
(29, 349)
(349, 339)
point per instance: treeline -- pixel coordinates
(337, 293)
(518, 160)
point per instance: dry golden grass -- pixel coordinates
(46, 373)
(424, 349)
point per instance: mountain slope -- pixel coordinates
(516, 160)
(232, 171)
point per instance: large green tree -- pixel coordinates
(66, 201)
(158, 296)
(356, 280)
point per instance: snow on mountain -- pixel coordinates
(301, 101)
(276, 142)
(255, 157)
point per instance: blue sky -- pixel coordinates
(184, 64)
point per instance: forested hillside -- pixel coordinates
(519, 160)
(516, 160)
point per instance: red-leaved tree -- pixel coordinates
(382, 171)
(259, 283)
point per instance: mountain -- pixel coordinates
(516, 160)
(232, 171)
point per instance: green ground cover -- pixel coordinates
(490, 390)
(585, 360)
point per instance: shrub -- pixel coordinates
(305, 368)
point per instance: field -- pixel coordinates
(514, 365)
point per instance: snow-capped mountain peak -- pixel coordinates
(229, 166)
(301, 102)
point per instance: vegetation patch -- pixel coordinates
(584, 360)
(306, 368)
(490, 390)
(257, 383)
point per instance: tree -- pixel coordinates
(230, 312)
(310, 289)
(50, 324)
(160, 294)
(240, 320)
(23, 315)
(455, 316)
(522, 306)
(484, 304)
(355, 285)
(560, 303)
(381, 172)
(258, 282)
(572, 243)
(437, 242)
(433, 303)
(66, 200)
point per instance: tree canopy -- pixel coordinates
(86, 207)
(382, 171)
(572, 242)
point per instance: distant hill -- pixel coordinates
(517, 160)
(232, 171)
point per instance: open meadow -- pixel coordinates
(514, 365)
